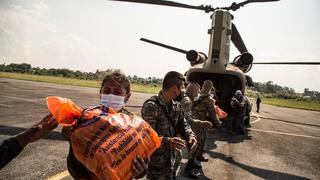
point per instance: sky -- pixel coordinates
(88, 35)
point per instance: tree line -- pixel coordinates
(268, 89)
(271, 90)
(67, 73)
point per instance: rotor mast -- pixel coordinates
(220, 36)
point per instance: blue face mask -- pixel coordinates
(113, 101)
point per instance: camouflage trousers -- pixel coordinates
(177, 162)
(201, 138)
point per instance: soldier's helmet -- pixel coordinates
(238, 92)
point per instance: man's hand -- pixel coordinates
(139, 165)
(219, 124)
(66, 132)
(37, 131)
(177, 143)
(235, 100)
(206, 125)
(193, 143)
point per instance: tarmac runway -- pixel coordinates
(281, 144)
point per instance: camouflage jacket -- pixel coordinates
(203, 107)
(238, 104)
(186, 105)
(238, 101)
(167, 119)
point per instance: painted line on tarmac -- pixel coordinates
(284, 133)
(5, 105)
(257, 116)
(59, 176)
(290, 122)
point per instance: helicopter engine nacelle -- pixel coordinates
(244, 61)
(195, 57)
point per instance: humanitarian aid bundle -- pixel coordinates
(106, 142)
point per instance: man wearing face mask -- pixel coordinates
(203, 109)
(114, 93)
(166, 117)
(192, 95)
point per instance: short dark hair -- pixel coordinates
(118, 77)
(173, 78)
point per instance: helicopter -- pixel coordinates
(227, 77)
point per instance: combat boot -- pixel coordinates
(193, 165)
(191, 174)
(201, 158)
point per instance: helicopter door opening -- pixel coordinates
(225, 85)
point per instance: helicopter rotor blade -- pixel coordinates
(237, 40)
(234, 6)
(289, 63)
(171, 3)
(164, 45)
(251, 1)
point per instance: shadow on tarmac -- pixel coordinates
(281, 120)
(222, 135)
(182, 176)
(217, 134)
(263, 173)
(9, 130)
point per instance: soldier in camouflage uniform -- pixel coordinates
(203, 109)
(237, 103)
(192, 93)
(167, 119)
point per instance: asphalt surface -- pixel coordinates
(281, 144)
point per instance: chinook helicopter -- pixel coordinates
(226, 76)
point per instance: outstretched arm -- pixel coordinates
(37, 131)
(10, 148)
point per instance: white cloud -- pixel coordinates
(27, 36)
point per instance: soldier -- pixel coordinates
(258, 103)
(203, 109)
(238, 105)
(192, 94)
(167, 119)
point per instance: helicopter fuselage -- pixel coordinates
(226, 77)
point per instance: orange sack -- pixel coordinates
(106, 143)
(220, 113)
